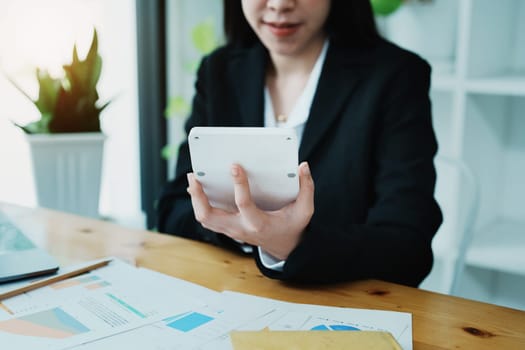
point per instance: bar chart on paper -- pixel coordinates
(188, 322)
(88, 282)
(205, 327)
(86, 308)
(54, 323)
(56, 294)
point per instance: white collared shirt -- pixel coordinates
(296, 120)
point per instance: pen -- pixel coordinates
(50, 280)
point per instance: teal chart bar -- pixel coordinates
(190, 322)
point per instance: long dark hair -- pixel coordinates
(350, 22)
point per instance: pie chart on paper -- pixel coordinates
(334, 327)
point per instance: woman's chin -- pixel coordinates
(282, 48)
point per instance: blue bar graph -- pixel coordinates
(189, 322)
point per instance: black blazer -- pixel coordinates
(370, 145)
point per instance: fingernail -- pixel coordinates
(306, 169)
(235, 170)
(188, 189)
(188, 176)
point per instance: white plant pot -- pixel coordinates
(67, 170)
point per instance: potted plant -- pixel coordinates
(387, 7)
(67, 142)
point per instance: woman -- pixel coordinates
(361, 109)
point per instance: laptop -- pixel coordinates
(19, 257)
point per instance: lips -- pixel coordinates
(282, 29)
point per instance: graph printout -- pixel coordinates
(89, 307)
(304, 317)
(122, 307)
(208, 327)
(189, 330)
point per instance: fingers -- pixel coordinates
(305, 199)
(214, 219)
(201, 207)
(249, 212)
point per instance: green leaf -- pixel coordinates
(192, 67)
(204, 38)
(96, 71)
(38, 127)
(169, 151)
(177, 106)
(92, 54)
(47, 93)
(19, 88)
(75, 58)
(385, 7)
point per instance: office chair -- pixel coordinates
(457, 193)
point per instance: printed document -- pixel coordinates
(103, 302)
(121, 306)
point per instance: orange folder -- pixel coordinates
(313, 340)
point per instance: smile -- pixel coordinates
(282, 29)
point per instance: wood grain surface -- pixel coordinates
(439, 321)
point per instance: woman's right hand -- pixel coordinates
(276, 232)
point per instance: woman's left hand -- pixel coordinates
(276, 232)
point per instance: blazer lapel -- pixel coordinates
(340, 75)
(247, 68)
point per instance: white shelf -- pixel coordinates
(443, 74)
(444, 82)
(500, 246)
(476, 49)
(478, 99)
(511, 84)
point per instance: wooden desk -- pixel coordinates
(439, 321)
